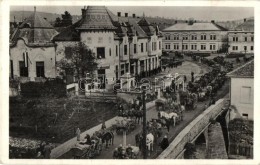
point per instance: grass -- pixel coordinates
(25, 114)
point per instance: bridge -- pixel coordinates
(198, 128)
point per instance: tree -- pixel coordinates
(80, 61)
(66, 19)
(57, 22)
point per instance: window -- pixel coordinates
(184, 46)
(245, 95)
(23, 69)
(167, 37)
(40, 69)
(245, 39)
(116, 50)
(252, 38)
(194, 37)
(212, 47)
(203, 37)
(176, 46)
(127, 67)
(154, 46)
(116, 72)
(245, 48)
(235, 39)
(235, 47)
(142, 47)
(245, 115)
(213, 37)
(109, 51)
(12, 68)
(160, 45)
(193, 47)
(146, 47)
(167, 46)
(176, 37)
(252, 47)
(185, 37)
(68, 52)
(203, 47)
(122, 69)
(101, 52)
(134, 48)
(125, 49)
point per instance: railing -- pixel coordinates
(241, 150)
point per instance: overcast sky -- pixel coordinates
(198, 13)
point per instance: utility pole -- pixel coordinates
(144, 125)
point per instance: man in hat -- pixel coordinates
(165, 142)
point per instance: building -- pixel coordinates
(195, 37)
(242, 91)
(241, 39)
(32, 53)
(121, 44)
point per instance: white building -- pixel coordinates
(194, 37)
(241, 39)
(242, 91)
(121, 44)
(32, 54)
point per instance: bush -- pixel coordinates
(235, 55)
(53, 88)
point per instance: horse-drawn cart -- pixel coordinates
(124, 124)
(85, 151)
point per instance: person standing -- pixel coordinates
(78, 134)
(103, 127)
(47, 151)
(164, 143)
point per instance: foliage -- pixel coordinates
(65, 21)
(241, 131)
(81, 61)
(54, 88)
(235, 55)
(190, 150)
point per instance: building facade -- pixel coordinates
(242, 91)
(241, 39)
(32, 53)
(194, 37)
(121, 44)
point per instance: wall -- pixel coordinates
(45, 54)
(191, 131)
(242, 107)
(241, 42)
(220, 35)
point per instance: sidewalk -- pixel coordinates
(66, 146)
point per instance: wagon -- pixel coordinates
(124, 124)
(85, 151)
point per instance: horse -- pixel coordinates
(149, 142)
(108, 138)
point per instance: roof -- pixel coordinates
(35, 31)
(95, 17)
(69, 33)
(246, 26)
(245, 71)
(196, 26)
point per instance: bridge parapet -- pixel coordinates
(191, 131)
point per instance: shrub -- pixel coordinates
(235, 55)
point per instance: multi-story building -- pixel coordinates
(32, 53)
(241, 39)
(194, 37)
(121, 44)
(242, 91)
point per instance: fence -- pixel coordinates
(241, 149)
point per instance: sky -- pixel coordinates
(198, 13)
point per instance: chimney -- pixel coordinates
(133, 15)
(186, 21)
(126, 14)
(119, 14)
(14, 18)
(34, 8)
(244, 19)
(212, 21)
(83, 12)
(45, 18)
(195, 21)
(176, 21)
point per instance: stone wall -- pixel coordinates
(191, 131)
(216, 145)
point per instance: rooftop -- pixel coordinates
(245, 71)
(248, 25)
(34, 30)
(196, 26)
